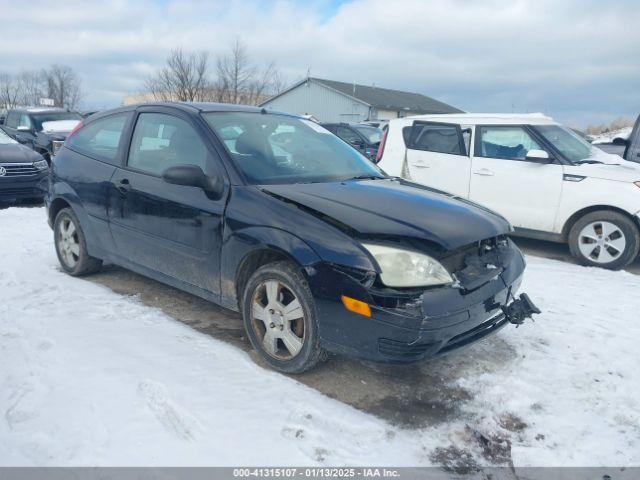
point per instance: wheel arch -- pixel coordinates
(251, 248)
(594, 208)
(56, 205)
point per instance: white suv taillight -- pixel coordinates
(381, 146)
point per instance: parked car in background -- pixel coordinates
(616, 147)
(376, 123)
(23, 172)
(41, 129)
(548, 182)
(364, 138)
(272, 215)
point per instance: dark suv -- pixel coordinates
(364, 138)
(270, 215)
(23, 172)
(41, 129)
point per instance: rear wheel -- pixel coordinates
(604, 239)
(280, 318)
(71, 245)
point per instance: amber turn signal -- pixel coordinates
(356, 306)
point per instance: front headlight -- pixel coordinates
(406, 268)
(41, 164)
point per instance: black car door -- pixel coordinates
(174, 230)
(632, 152)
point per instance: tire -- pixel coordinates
(269, 323)
(72, 252)
(604, 239)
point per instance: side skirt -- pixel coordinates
(539, 235)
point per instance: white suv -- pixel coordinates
(546, 180)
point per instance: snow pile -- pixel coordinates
(608, 137)
(90, 377)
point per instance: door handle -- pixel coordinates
(124, 185)
(484, 172)
(420, 164)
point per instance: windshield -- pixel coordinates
(374, 135)
(279, 149)
(4, 138)
(40, 118)
(570, 144)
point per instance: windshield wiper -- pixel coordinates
(581, 162)
(366, 176)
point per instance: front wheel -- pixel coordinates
(71, 245)
(604, 239)
(280, 318)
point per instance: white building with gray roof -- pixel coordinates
(332, 101)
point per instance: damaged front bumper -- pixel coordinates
(410, 327)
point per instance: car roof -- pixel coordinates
(201, 106)
(39, 110)
(192, 107)
(484, 118)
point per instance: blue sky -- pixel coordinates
(578, 61)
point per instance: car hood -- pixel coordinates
(16, 153)
(613, 168)
(396, 208)
(60, 127)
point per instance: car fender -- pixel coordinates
(595, 194)
(241, 244)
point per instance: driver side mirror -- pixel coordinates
(538, 156)
(193, 176)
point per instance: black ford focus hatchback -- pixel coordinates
(273, 216)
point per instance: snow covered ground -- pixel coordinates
(609, 136)
(90, 377)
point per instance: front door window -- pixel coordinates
(161, 141)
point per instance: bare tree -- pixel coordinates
(63, 86)
(10, 91)
(235, 74)
(185, 78)
(32, 87)
(239, 81)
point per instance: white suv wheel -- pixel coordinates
(602, 242)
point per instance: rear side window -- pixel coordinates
(100, 139)
(435, 137)
(161, 141)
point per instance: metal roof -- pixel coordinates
(381, 98)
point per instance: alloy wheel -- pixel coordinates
(277, 318)
(68, 242)
(602, 242)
